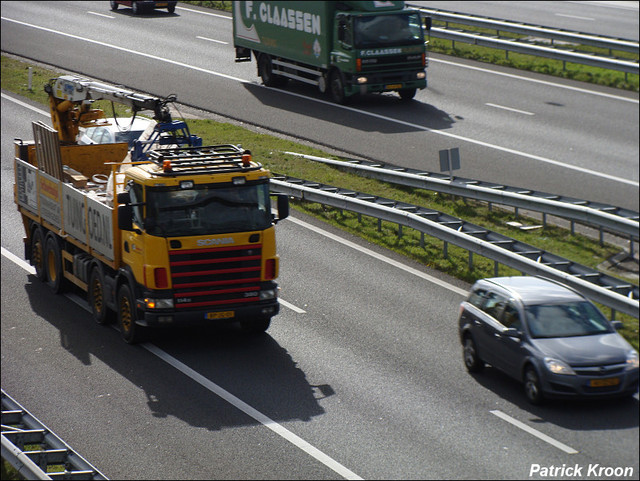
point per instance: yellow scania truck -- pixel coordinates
(168, 234)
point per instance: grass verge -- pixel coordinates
(269, 149)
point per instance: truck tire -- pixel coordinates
(136, 8)
(171, 8)
(114, 5)
(53, 263)
(407, 94)
(265, 69)
(256, 326)
(129, 331)
(96, 297)
(336, 87)
(37, 253)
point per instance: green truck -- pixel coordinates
(345, 48)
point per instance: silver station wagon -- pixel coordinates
(547, 336)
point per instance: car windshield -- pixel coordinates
(207, 209)
(387, 30)
(569, 319)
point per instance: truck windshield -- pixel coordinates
(388, 30)
(207, 209)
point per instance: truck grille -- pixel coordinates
(216, 277)
(392, 63)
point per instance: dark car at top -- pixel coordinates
(548, 336)
(143, 6)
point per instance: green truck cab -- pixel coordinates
(345, 48)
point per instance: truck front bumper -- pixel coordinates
(199, 317)
(387, 82)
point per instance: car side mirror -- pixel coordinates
(512, 332)
(617, 325)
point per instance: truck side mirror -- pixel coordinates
(283, 207)
(125, 216)
(124, 198)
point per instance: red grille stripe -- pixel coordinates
(214, 303)
(214, 283)
(216, 271)
(214, 261)
(215, 249)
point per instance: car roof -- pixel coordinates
(534, 290)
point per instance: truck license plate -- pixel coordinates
(394, 86)
(614, 381)
(219, 315)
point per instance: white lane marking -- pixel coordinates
(542, 82)
(100, 14)
(212, 40)
(24, 104)
(257, 415)
(332, 104)
(535, 432)
(204, 13)
(574, 16)
(364, 250)
(214, 388)
(509, 108)
(291, 306)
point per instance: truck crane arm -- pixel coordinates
(70, 99)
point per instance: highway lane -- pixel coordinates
(370, 374)
(618, 19)
(511, 127)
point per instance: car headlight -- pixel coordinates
(632, 360)
(558, 367)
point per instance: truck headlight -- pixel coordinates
(268, 294)
(362, 80)
(558, 367)
(158, 303)
(421, 75)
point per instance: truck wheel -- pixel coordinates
(37, 253)
(171, 8)
(129, 331)
(336, 87)
(101, 313)
(255, 327)
(136, 8)
(53, 264)
(407, 94)
(266, 70)
(114, 5)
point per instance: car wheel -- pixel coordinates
(114, 5)
(37, 253)
(101, 313)
(130, 332)
(470, 353)
(53, 264)
(136, 8)
(532, 387)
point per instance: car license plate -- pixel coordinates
(219, 315)
(613, 381)
(394, 86)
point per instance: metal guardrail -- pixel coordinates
(534, 33)
(606, 290)
(615, 219)
(20, 429)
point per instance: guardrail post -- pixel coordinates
(495, 268)
(470, 260)
(422, 240)
(445, 250)
(379, 225)
(399, 230)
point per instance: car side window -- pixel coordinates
(494, 305)
(476, 297)
(511, 317)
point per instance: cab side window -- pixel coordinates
(477, 297)
(136, 193)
